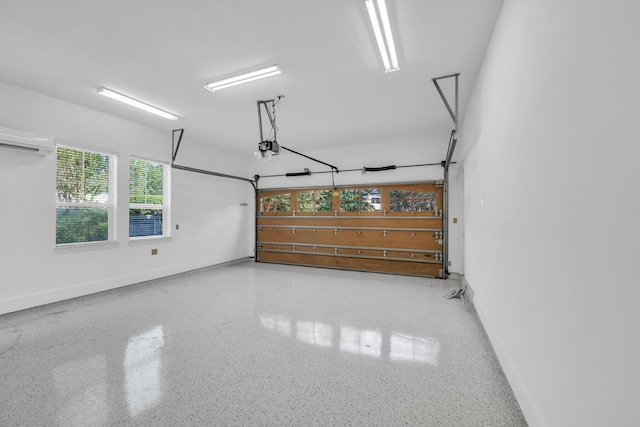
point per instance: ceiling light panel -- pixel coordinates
(135, 103)
(379, 17)
(243, 78)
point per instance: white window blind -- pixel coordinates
(149, 198)
(85, 196)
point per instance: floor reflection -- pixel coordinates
(315, 333)
(277, 323)
(393, 345)
(143, 364)
(368, 343)
(413, 349)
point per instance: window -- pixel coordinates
(355, 200)
(149, 198)
(409, 201)
(314, 201)
(279, 203)
(85, 196)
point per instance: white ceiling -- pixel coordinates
(163, 52)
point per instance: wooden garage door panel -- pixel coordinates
(386, 235)
(361, 238)
(350, 263)
(355, 251)
(434, 223)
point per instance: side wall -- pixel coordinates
(214, 227)
(552, 205)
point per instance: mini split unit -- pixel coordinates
(28, 142)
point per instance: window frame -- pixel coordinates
(111, 205)
(165, 207)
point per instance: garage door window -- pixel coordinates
(359, 200)
(273, 204)
(314, 201)
(412, 201)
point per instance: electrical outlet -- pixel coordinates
(177, 226)
(455, 220)
(154, 252)
(449, 263)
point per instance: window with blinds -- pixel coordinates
(85, 196)
(149, 198)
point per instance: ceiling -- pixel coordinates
(163, 52)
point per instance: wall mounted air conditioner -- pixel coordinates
(28, 142)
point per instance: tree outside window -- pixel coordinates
(149, 198)
(85, 196)
(314, 201)
(412, 201)
(360, 200)
(279, 203)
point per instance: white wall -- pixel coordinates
(549, 145)
(214, 227)
(399, 153)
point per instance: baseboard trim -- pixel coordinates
(525, 400)
(47, 298)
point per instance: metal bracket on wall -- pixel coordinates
(452, 112)
(445, 164)
(175, 147)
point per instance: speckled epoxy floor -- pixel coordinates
(254, 344)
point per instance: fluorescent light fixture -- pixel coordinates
(244, 78)
(135, 103)
(382, 30)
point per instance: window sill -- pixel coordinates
(148, 239)
(84, 246)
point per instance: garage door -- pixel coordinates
(390, 229)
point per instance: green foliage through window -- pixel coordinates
(357, 200)
(145, 182)
(81, 176)
(79, 224)
(407, 201)
(148, 198)
(314, 201)
(83, 195)
(279, 203)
